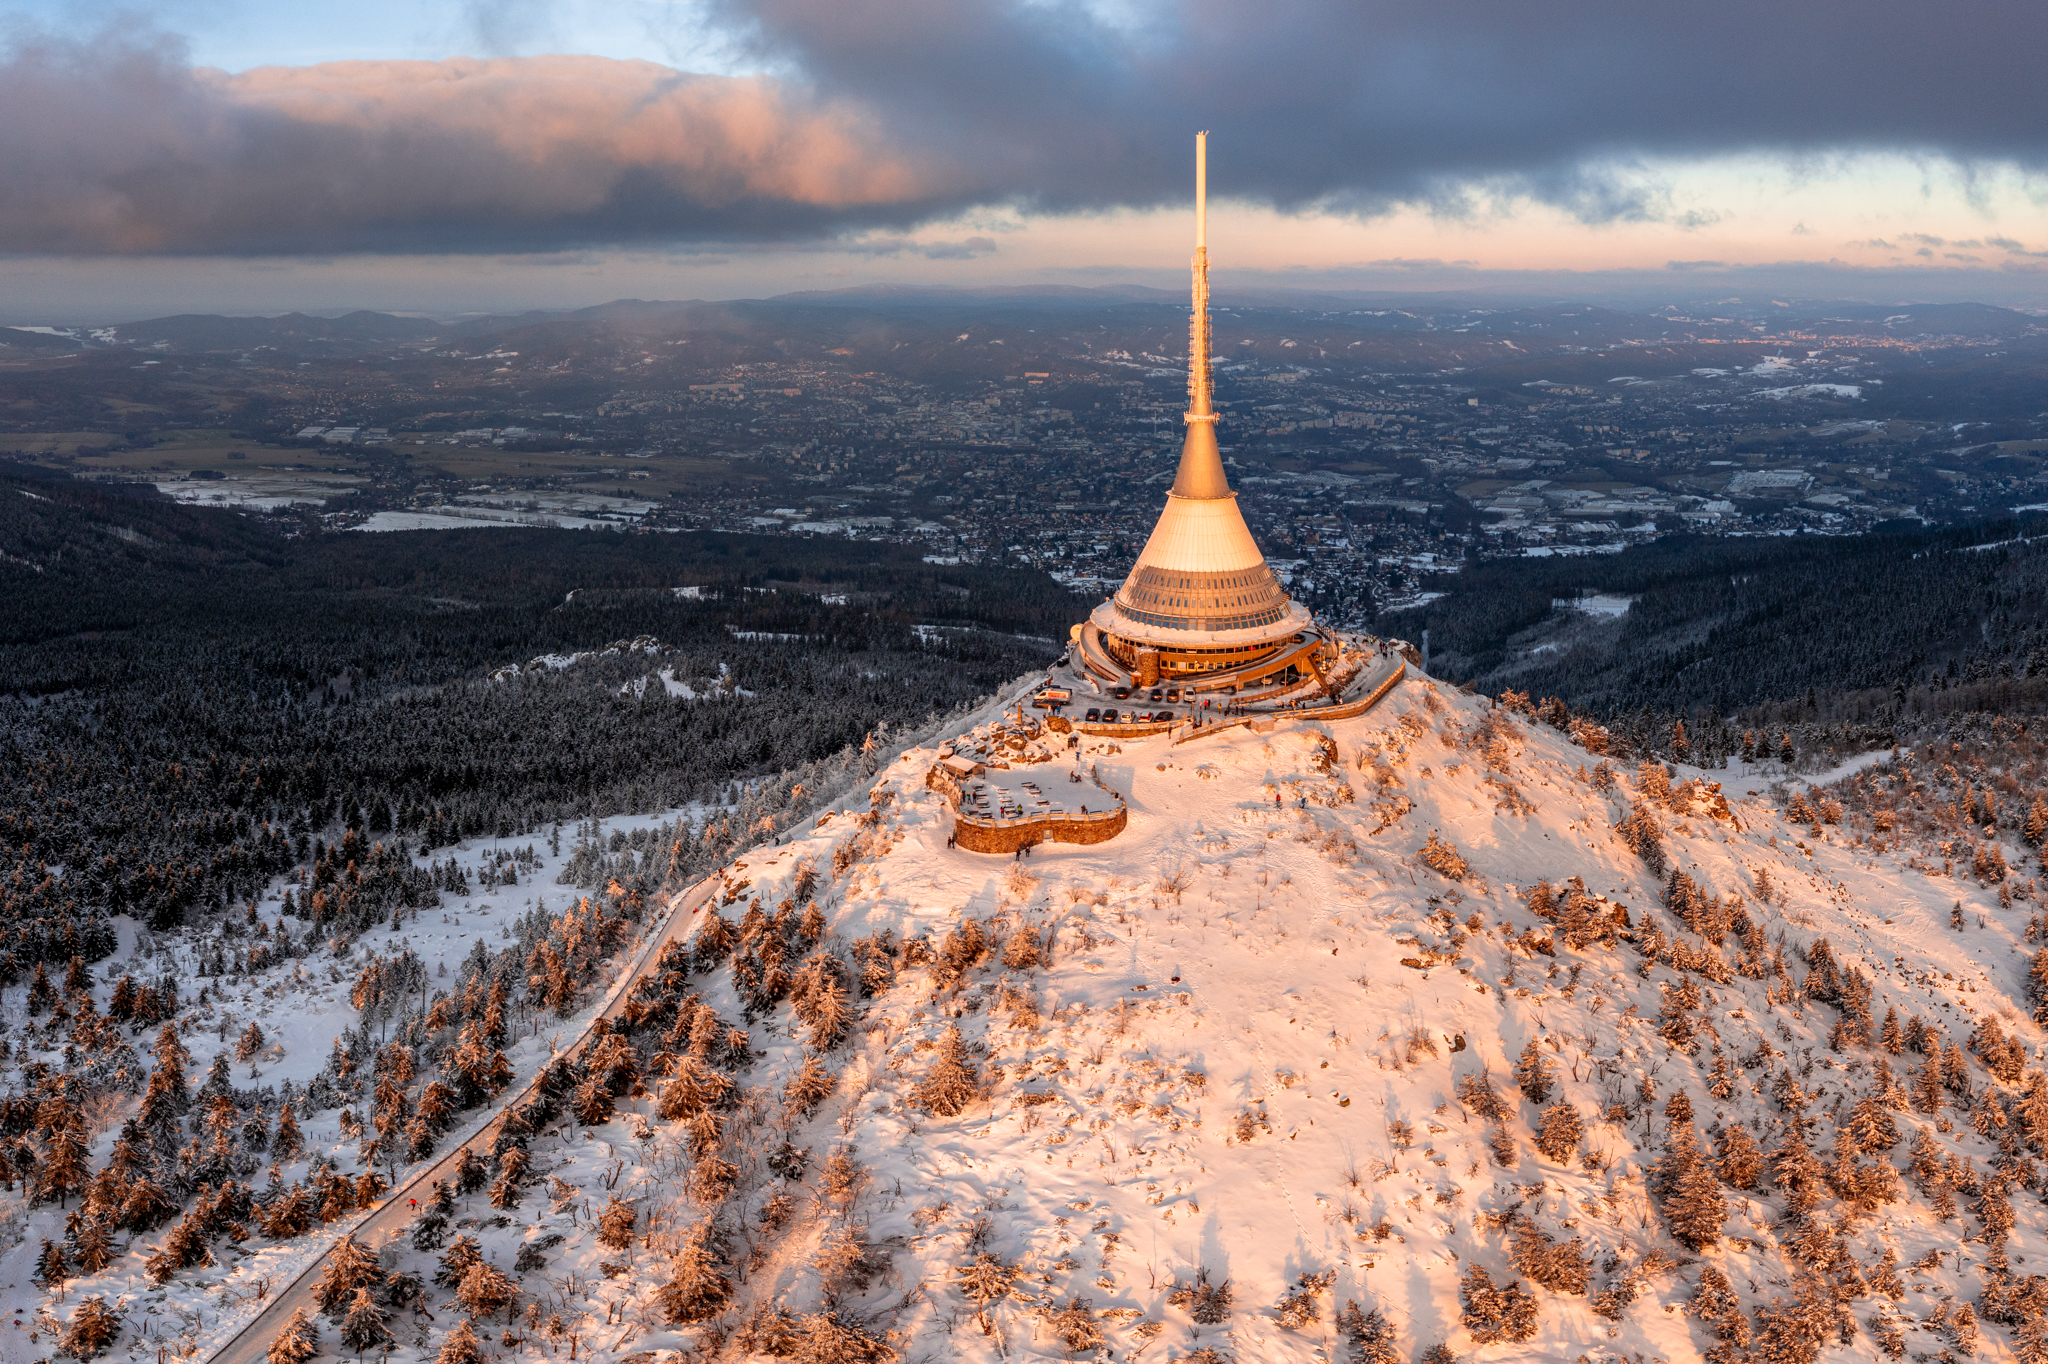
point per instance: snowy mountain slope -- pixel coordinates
(1204, 1086)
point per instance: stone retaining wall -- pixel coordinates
(1006, 836)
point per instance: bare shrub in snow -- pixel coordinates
(986, 1280)
(1207, 1303)
(845, 1177)
(1074, 1326)
(1444, 859)
(1301, 1305)
(847, 1263)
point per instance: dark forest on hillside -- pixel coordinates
(1857, 641)
(190, 698)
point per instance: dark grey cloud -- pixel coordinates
(898, 111)
(1313, 102)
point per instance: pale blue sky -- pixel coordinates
(237, 34)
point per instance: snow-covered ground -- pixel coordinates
(301, 1005)
(1237, 1045)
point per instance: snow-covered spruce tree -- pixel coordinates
(1690, 1192)
(696, 1289)
(954, 1081)
(1737, 1158)
(457, 1259)
(92, 1329)
(460, 1346)
(832, 1337)
(52, 1269)
(1534, 1073)
(484, 1289)
(1561, 1268)
(1644, 836)
(1494, 1314)
(1369, 1336)
(1301, 1306)
(298, 1342)
(1477, 1092)
(350, 1266)
(363, 1327)
(1715, 1304)
(810, 1086)
(94, 1244)
(615, 1224)
(1557, 1136)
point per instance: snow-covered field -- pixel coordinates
(1276, 1074)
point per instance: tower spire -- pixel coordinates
(1201, 463)
(1199, 390)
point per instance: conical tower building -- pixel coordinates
(1201, 607)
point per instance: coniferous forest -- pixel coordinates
(191, 698)
(1840, 643)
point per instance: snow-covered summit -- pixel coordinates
(1368, 1038)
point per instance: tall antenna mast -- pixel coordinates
(1200, 390)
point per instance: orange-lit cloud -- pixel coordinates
(138, 154)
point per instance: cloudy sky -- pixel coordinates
(448, 155)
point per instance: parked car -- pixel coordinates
(1122, 693)
(1155, 694)
(1094, 713)
(1109, 716)
(1173, 693)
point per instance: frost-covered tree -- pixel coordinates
(615, 1224)
(460, 1346)
(350, 1266)
(1557, 1136)
(1371, 1337)
(954, 1081)
(298, 1342)
(363, 1328)
(1492, 1313)
(697, 1289)
(1534, 1073)
(92, 1329)
(1477, 1092)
